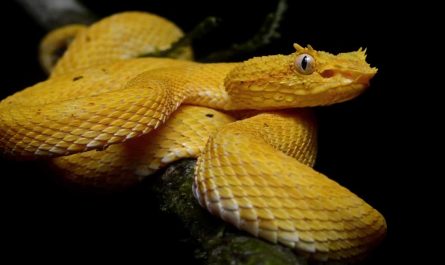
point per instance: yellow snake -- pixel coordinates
(107, 118)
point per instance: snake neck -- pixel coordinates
(194, 83)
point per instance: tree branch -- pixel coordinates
(217, 242)
(51, 14)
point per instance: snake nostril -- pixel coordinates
(327, 73)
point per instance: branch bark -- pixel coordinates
(216, 242)
(51, 14)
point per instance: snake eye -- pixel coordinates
(305, 64)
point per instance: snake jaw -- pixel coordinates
(350, 76)
(346, 77)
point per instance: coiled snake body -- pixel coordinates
(106, 118)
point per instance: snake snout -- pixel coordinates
(351, 76)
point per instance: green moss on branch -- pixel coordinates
(217, 242)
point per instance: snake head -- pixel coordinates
(304, 78)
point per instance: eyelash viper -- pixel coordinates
(105, 117)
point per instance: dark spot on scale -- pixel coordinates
(266, 125)
(210, 115)
(77, 78)
(102, 148)
(87, 39)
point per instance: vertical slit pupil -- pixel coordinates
(304, 63)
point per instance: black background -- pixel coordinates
(362, 143)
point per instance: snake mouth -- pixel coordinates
(362, 78)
